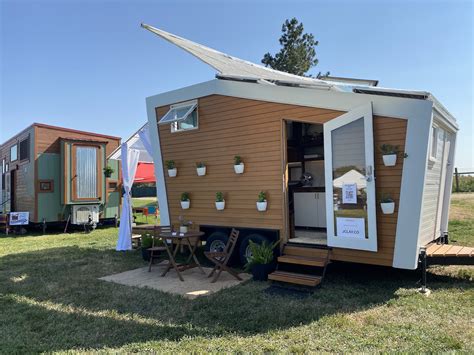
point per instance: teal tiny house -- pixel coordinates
(56, 173)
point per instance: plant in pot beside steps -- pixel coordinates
(184, 224)
(239, 165)
(220, 202)
(262, 261)
(185, 201)
(146, 242)
(172, 171)
(201, 168)
(389, 154)
(262, 201)
(387, 204)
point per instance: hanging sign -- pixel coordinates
(350, 227)
(19, 218)
(349, 193)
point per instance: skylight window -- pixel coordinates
(178, 113)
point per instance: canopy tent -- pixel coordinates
(137, 166)
(351, 177)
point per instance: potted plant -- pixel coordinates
(220, 202)
(238, 165)
(172, 171)
(262, 262)
(389, 154)
(387, 204)
(146, 242)
(201, 168)
(185, 201)
(184, 224)
(262, 201)
(108, 171)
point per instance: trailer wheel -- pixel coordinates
(216, 242)
(244, 249)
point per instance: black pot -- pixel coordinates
(146, 254)
(260, 271)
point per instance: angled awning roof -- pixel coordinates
(134, 142)
(232, 67)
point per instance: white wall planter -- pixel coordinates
(220, 205)
(185, 204)
(262, 206)
(172, 172)
(239, 169)
(389, 159)
(387, 207)
(183, 229)
(201, 171)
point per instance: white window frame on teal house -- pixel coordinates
(181, 116)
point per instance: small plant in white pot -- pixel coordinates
(172, 171)
(389, 154)
(184, 224)
(185, 201)
(387, 204)
(262, 202)
(238, 165)
(220, 202)
(201, 168)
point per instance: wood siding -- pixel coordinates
(231, 126)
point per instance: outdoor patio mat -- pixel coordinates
(195, 283)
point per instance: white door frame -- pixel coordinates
(370, 243)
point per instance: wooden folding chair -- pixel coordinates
(220, 259)
(155, 250)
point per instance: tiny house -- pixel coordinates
(57, 174)
(319, 150)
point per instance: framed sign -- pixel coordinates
(350, 227)
(46, 185)
(19, 218)
(349, 194)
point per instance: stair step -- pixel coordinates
(305, 251)
(295, 278)
(302, 260)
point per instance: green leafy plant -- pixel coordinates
(185, 196)
(388, 149)
(200, 164)
(262, 196)
(261, 254)
(170, 164)
(147, 241)
(219, 197)
(386, 198)
(108, 171)
(237, 160)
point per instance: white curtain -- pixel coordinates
(145, 138)
(130, 159)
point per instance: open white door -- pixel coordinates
(350, 182)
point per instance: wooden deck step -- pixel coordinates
(305, 251)
(295, 278)
(447, 250)
(302, 260)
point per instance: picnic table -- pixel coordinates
(173, 241)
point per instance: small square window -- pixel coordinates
(191, 122)
(14, 152)
(434, 143)
(25, 149)
(113, 185)
(46, 185)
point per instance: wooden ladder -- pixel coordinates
(309, 258)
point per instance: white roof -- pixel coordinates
(351, 177)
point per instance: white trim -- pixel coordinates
(410, 207)
(370, 243)
(434, 131)
(161, 193)
(451, 138)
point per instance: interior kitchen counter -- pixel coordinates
(309, 189)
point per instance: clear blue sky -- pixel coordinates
(88, 64)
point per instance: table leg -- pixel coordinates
(192, 249)
(172, 262)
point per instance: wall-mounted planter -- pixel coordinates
(172, 172)
(220, 205)
(185, 204)
(389, 159)
(239, 169)
(262, 206)
(387, 207)
(201, 171)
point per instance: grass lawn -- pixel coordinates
(51, 300)
(145, 202)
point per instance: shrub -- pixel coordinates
(389, 149)
(261, 254)
(219, 197)
(237, 160)
(185, 196)
(262, 196)
(170, 164)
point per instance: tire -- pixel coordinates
(244, 249)
(216, 241)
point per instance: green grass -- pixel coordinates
(145, 202)
(52, 301)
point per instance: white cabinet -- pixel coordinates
(310, 209)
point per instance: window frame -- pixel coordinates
(434, 141)
(26, 139)
(174, 123)
(74, 196)
(11, 147)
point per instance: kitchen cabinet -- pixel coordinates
(310, 209)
